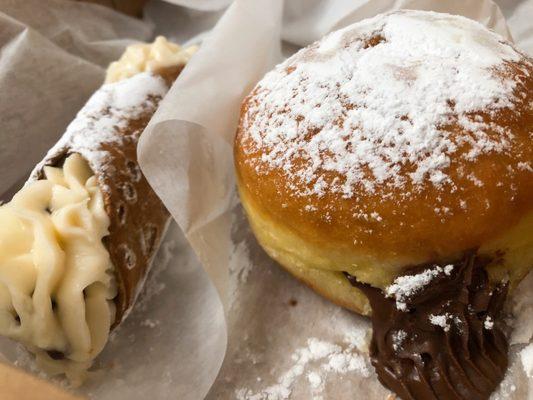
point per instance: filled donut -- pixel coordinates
(389, 167)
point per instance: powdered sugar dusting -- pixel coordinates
(398, 338)
(314, 362)
(526, 356)
(369, 104)
(110, 109)
(239, 267)
(442, 320)
(406, 286)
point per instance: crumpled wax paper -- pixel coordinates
(53, 57)
(211, 285)
(283, 340)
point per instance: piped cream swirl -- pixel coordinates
(56, 276)
(148, 57)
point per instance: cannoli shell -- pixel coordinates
(138, 219)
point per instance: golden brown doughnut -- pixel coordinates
(401, 140)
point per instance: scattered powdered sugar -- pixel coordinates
(448, 269)
(110, 109)
(408, 285)
(315, 363)
(526, 356)
(446, 320)
(508, 386)
(370, 104)
(524, 166)
(314, 379)
(441, 320)
(239, 268)
(488, 324)
(398, 338)
(150, 323)
(358, 338)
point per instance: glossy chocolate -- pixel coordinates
(464, 357)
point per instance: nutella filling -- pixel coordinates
(437, 332)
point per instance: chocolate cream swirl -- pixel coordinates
(445, 340)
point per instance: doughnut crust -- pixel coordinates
(397, 141)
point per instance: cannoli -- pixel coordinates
(77, 241)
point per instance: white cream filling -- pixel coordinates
(56, 276)
(151, 57)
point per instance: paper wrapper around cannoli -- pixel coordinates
(88, 221)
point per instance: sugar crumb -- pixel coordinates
(315, 362)
(405, 286)
(441, 320)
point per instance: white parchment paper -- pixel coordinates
(212, 285)
(282, 337)
(53, 57)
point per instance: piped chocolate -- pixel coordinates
(438, 332)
